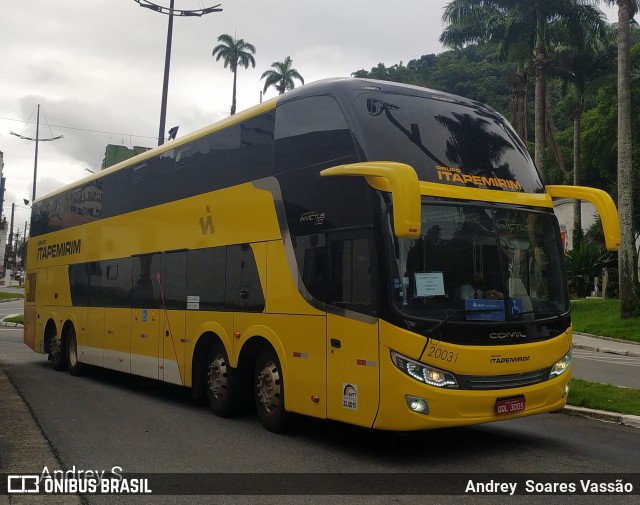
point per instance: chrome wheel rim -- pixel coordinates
(269, 387)
(217, 376)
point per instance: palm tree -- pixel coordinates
(627, 261)
(521, 23)
(234, 52)
(282, 77)
(580, 69)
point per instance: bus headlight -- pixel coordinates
(423, 373)
(560, 366)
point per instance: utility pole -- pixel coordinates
(170, 11)
(1, 183)
(9, 253)
(36, 140)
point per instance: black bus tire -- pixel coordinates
(75, 367)
(57, 355)
(220, 381)
(269, 392)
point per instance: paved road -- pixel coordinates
(106, 419)
(607, 368)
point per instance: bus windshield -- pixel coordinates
(446, 141)
(486, 262)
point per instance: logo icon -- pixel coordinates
(23, 484)
(206, 223)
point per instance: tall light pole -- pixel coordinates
(36, 140)
(170, 11)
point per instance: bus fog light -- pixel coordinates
(560, 366)
(423, 373)
(417, 404)
(565, 391)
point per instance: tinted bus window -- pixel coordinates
(174, 281)
(146, 290)
(448, 142)
(311, 131)
(206, 277)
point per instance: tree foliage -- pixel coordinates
(282, 76)
(235, 53)
(478, 72)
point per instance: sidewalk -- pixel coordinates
(605, 344)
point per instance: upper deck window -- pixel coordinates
(311, 131)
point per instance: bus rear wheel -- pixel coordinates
(269, 391)
(75, 367)
(56, 354)
(220, 381)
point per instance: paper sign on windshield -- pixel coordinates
(429, 284)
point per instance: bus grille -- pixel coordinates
(503, 381)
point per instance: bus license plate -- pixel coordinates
(511, 405)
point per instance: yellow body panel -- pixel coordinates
(91, 336)
(450, 407)
(300, 342)
(198, 324)
(282, 295)
(173, 345)
(117, 339)
(145, 342)
(603, 204)
(352, 370)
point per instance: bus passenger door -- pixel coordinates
(353, 385)
(145, 315)
(173, 282)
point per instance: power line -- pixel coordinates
(82, 129)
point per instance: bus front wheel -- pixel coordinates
(269, 391)
(220, 381)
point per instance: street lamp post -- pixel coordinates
(170, 11)
(36, 140)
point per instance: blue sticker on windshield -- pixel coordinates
(484, 310)
(515, 308)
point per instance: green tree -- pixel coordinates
(282, 76)
(234, 52)
(627, 260)
(579, 68)
(522, 25)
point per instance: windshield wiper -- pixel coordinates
(543, 312)
(444, 321)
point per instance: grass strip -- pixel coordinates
(14, 319)
(604, 397)
(602, 317)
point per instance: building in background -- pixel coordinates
(114, 154)
(564, 209)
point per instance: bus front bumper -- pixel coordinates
(406, 404)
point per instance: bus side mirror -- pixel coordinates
(398, 179)
(603, 204)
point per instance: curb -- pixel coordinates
(608, 350)
(601, 415)
(9, 323)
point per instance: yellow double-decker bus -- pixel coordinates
(369, 252)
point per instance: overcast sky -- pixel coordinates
(96, 68)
